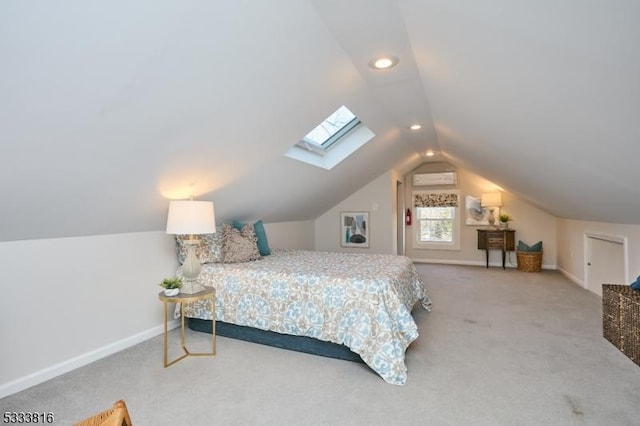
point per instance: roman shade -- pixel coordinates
(435, 199)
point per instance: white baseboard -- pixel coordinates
(49, 373)
(474, 263)
(573, 278)
(452, 262)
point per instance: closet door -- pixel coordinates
(605, 262)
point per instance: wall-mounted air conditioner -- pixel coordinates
(429, 179)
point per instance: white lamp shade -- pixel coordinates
(491, 199)
(191, 217)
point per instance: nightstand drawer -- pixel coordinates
(495, 234)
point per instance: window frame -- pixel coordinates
(455, 226)
(335, 138)
(334, 149)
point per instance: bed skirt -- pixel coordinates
(278, 340)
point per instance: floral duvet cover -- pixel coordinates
(362, 301)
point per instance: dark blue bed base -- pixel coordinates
(271, 338)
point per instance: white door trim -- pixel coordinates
(619, 239)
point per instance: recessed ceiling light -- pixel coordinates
(430, 153)
(415, 127)
(383, 63)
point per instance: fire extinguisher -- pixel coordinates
(408, 217)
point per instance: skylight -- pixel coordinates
(332, 129)
(333, 140)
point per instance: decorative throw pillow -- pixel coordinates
(636, 284)
(239, 245)
(537, 247)
(208, 250)
(261, 234)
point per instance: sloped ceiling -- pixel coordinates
(110, 108)
(541, 97)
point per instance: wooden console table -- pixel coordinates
(496, 239)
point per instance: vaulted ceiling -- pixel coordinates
(109, 108)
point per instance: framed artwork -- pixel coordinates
(475, 214)
(354, 229)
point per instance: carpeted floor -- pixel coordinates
(499, 348)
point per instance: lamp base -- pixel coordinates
(492, 218)
(191, 287)
(191, 270)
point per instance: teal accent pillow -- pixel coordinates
(263, 243)
(636, 284)
(537, 247)
(258, 227)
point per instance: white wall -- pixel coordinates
(530, 223)
(378, 198)
(571, 246)
(69, 301)
(291, 235)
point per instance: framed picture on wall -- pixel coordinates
(354, 229)
(475, 214)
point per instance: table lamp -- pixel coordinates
(188, 217)
(491, 200)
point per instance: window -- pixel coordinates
(333, 140)
(437, 220)
(330, 131)
(436, 224)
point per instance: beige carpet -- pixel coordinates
(499, 348)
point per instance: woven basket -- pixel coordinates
(529, 261)
(621, 319)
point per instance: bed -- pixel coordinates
(361, 301)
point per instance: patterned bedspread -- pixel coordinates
(363, 301)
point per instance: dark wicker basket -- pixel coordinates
(621, 319)
(529, 261)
